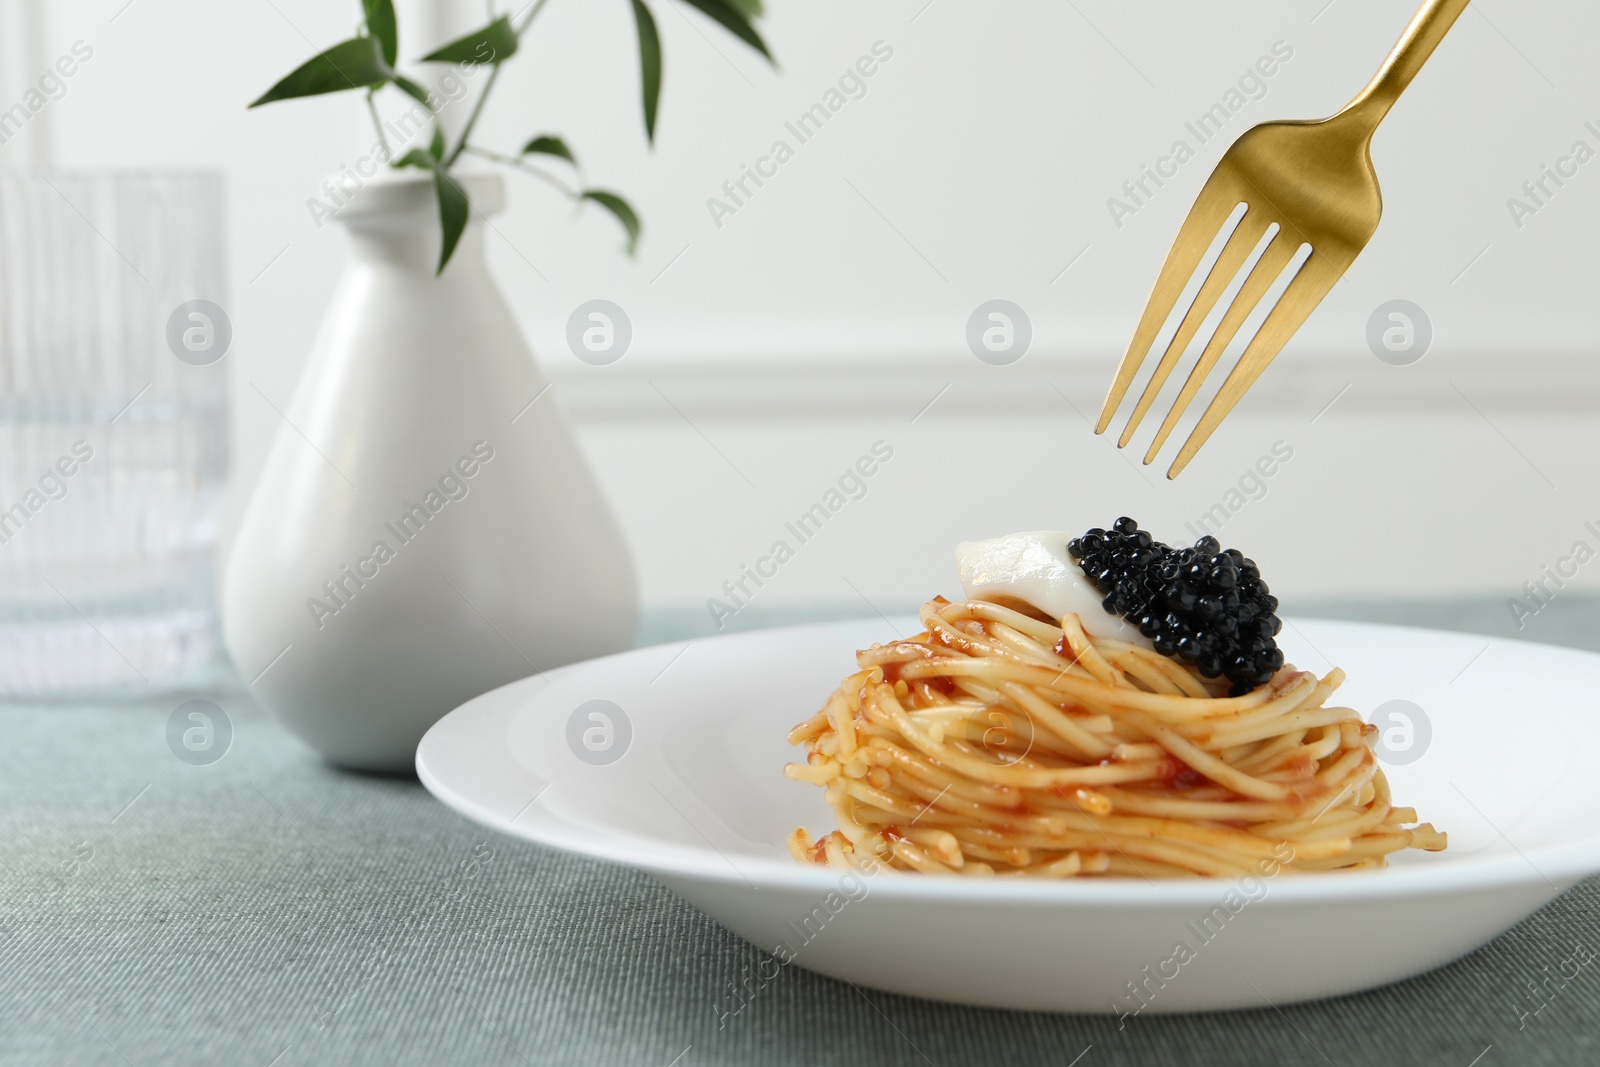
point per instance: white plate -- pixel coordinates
(696, 796)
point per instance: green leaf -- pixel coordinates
(618, 207)
(736, 22)
(453, 210)
(494, 43)
(353, 64)
(380, 23)
(751, 8)
(413, 90)
(436, 146)
(452, 199)
(649, 65)
(549, 144)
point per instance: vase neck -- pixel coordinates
(415, 247)
(394, 220)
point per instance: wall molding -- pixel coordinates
(662, 387)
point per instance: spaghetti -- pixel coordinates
(995, 743)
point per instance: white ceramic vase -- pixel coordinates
(425, 528)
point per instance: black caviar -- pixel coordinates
(1202, 605)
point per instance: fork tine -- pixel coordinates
(1317, 276)
(1252, 227)
(1262, 275)
(1215, 203)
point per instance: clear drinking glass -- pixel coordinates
(113, 435)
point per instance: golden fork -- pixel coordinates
(1314, 181)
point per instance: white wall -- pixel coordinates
(832, 306)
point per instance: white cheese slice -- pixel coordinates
(1034, 569)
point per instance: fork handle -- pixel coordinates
(1432, 21)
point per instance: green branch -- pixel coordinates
(367, 61)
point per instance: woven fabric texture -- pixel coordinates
(270, 910)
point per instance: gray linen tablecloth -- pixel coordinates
(270, 910)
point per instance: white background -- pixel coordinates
(832, 308)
